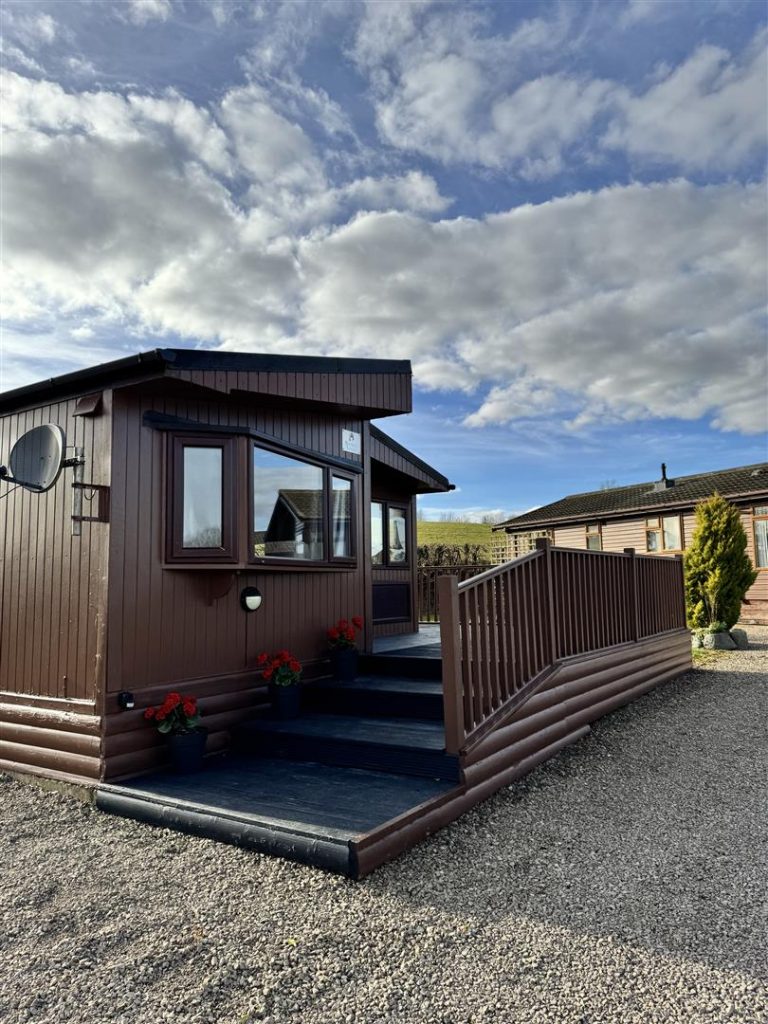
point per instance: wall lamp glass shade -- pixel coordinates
(250, 599)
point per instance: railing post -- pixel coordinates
(681, 560)
(450, 642)
(634, 597)
(544, 545)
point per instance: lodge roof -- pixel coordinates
(613, 502)
(228, 372)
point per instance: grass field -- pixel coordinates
(453, 533)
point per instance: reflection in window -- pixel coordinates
(377, 533)
(288, 507)
(202, 497)
(398, 540)
(671, 525)
(594, 538)
(761, 537)
(342, 519)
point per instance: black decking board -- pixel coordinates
(373, 696)
(304, 798)
(390, 732)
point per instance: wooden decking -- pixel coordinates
(363, 774)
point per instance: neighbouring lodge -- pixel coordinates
(200, 474)
(656, 518)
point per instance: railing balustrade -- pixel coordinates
(427, 590)
(503, 628)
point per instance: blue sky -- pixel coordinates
(556, 210)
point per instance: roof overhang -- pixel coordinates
(423, 478)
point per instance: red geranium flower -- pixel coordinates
(333, 633)
(149, 714)
(262, 658)
(160, 716)
(357, 622)
(267, 673)
(189, 704)
(294, 665)
(343, 623)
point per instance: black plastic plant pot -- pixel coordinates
(286, 700)
(187, 750)
(344, 663)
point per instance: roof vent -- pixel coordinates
(664, 483)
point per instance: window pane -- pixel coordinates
(652, 540)
(377, 533)
(202, 497)
(342, 518)
(761, 542)
(593, 542)
(671, 533)
(288, 504)
(652, 522)
(398, 539)
(761, 510)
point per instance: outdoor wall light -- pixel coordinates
(125, 700)
(250, 599)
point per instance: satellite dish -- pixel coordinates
(36, 458)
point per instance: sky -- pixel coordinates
(556, 211)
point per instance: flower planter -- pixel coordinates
(187, 750)
(286, 700)
(344, 663)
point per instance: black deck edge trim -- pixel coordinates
(163, 421)
(328, 854)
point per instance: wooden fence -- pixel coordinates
(504, 630)
(427, 589)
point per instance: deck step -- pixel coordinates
(379, 696)
(407, 746)
(311, 813)
(401, 666)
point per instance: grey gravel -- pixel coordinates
(624, 881)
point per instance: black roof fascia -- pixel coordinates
(415, 461)
(143, 363)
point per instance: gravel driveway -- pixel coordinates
(624, 881)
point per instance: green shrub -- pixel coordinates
(718, 572)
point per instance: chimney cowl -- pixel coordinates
(665, 482)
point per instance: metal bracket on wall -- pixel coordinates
(100, 492)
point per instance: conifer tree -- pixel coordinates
(718, 572)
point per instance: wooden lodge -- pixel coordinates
(656, 517)
(189, 477)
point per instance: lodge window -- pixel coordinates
(594, 537)
(760, 530)
(302, 511)
(201, 499)
(389, 534)
(663, 533)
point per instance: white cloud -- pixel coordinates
(709, 112)
(140, 12)
(444, 86)
(625, 303)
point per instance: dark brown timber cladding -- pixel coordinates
(52, 585)
(578, 692)
(379, 393)
(183, 628)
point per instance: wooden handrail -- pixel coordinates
(497, 570)
(504, 630)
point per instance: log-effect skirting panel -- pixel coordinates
(579, 691)
(50, 741)
(133, 746)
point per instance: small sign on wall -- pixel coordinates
(350, 442)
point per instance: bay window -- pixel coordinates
(201, 521)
